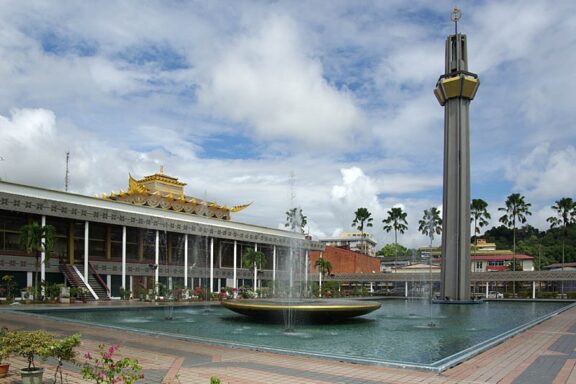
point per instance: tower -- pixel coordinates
(454, 90)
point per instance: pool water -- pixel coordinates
(401, 333)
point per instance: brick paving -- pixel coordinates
(543, 354)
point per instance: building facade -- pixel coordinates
(133, 245)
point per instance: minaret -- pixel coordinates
(454, 90)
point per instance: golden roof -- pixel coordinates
(167, 192)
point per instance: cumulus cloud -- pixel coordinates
(546, 172)
(267, 80)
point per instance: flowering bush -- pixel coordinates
(105, 370)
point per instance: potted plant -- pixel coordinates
(29, 344)
(4, 353)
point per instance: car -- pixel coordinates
(495, 295)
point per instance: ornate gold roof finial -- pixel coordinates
(455, 17)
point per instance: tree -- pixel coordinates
(295, 220)
(516, 211)
(396, 221)
(430, 224)
(479, 215)
(565, 215)
(362, 218)
(35, 239)
(254, 260)
(324, 267)
(392, 250)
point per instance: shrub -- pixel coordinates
(29, 344)
(105, 370)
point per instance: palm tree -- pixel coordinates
(295, 220)
(396, 220)
(324, 267)
(516, 211)
(35, 239)
(363, 218)
(479, 215)
(254, 260)
(431, 223)
(565, 215)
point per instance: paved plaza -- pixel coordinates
(543, 354)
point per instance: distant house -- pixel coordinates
(560, 266)
(484, 257)
(353, 241)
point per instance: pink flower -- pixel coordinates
(88, 356)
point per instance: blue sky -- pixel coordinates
(233, 97)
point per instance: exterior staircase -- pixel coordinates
(94, 280)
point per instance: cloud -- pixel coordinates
(545, 172)
(267, 80)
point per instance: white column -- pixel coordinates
(406, 288)
(86, 233)
(487, 288)
(274, 265)
(29, 279)
(170, 282)
(533, 290)
(306, 261)
(156, 263)
(131, 284)
(109, 283)
(123, 285)
(211, 264)
(255, 270)
(235, 266)
(186, 260)
(43, 259)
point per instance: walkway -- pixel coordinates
(544, 354)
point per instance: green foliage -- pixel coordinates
(35, 239)
(396, 221)
(29, 344)
(362, 218)
(323, 266)
(295, 220)
(9, 285)
(214, 380)
(4, 350)
(125, 293)
(252, 258)
(431, 223)
(63, 350)
(105, 369)
(393, 250)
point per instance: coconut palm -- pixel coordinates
(565, 215)
(35, 239)
(479, 215)
(295, 220)
(431, 223)
(516, 211)
(362, 218)
(324, 267)
(254, 260)
(396, 221)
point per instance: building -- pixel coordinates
(151, 234)
(353, 241)
(345, 261)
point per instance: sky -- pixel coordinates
(323, 105)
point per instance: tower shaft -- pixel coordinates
(454, 90)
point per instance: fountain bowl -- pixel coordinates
(303, 310)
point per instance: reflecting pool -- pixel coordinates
(401, 333)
